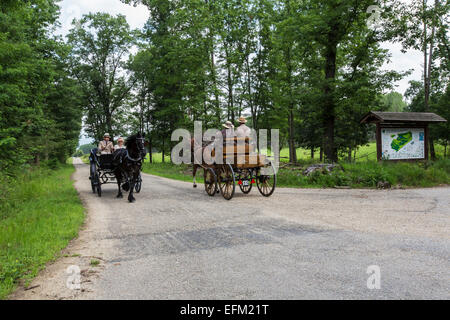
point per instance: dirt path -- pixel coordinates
(176, 242)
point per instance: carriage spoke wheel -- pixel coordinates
(138, 185)
(245, 179)
(266, 182)
(210, 181)
(226, 181)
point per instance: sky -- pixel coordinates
(137, 16)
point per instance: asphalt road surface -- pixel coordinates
(176, 242)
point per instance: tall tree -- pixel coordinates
(423, 25)
(32, 69)
(100, 47)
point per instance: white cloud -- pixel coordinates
(412, 59)
(70, 9)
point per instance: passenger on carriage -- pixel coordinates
(243, 130)
(228, 130)
(105, 146)
(119, 144)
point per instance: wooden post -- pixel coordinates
(426, 132)
(379, 146)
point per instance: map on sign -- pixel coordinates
(402, 143)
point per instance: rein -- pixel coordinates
(132, 159)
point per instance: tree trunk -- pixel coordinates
(213, 73)
(150, 153)
(329, 105)
(109, 123)
(163, 160)
(321, 154)
(312, 152)
(292, 151)
(350, 154)
(230, 86)
(428, 62)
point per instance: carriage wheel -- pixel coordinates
(245, 181)
(266, 183)
(210, 181)
(99, 188)
(98, 184)
(138, 185)
(226, 181)
(92, 177)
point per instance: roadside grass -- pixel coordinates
(94, 263)
(85, 158)
(368, 174)
(38, 217)
(364, 153)
(356, 175)
(172, 171)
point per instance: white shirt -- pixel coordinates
(243, 131)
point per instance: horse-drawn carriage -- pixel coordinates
(102, 172)
(241, 165)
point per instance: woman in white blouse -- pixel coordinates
(119, 144)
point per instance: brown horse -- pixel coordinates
(197, 152)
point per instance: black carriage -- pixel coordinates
(102, 172)
(241, 166)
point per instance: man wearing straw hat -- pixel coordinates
(243, 130)
(105, 146)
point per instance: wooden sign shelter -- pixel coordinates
(402, 135)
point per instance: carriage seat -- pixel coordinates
(106, 161)
(236, 140)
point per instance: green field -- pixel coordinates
(363, 154)
(39, 215)
(366, 172)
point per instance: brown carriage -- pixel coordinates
(241, 165)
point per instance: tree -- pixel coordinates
(442, 130)
(309, 68)
(421, 26)
(32, 70)
(393, 102)
(100, 45)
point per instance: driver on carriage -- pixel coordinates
(106, 146)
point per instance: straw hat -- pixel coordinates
(229, 124)
(106, 135)
(242, 120)
(226, 126)
(120, 139)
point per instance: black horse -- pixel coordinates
(128, 163)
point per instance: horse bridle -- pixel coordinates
(141, 151)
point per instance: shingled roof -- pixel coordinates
(376, 116)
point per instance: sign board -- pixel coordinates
(402, 143)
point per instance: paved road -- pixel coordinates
(176, 242)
